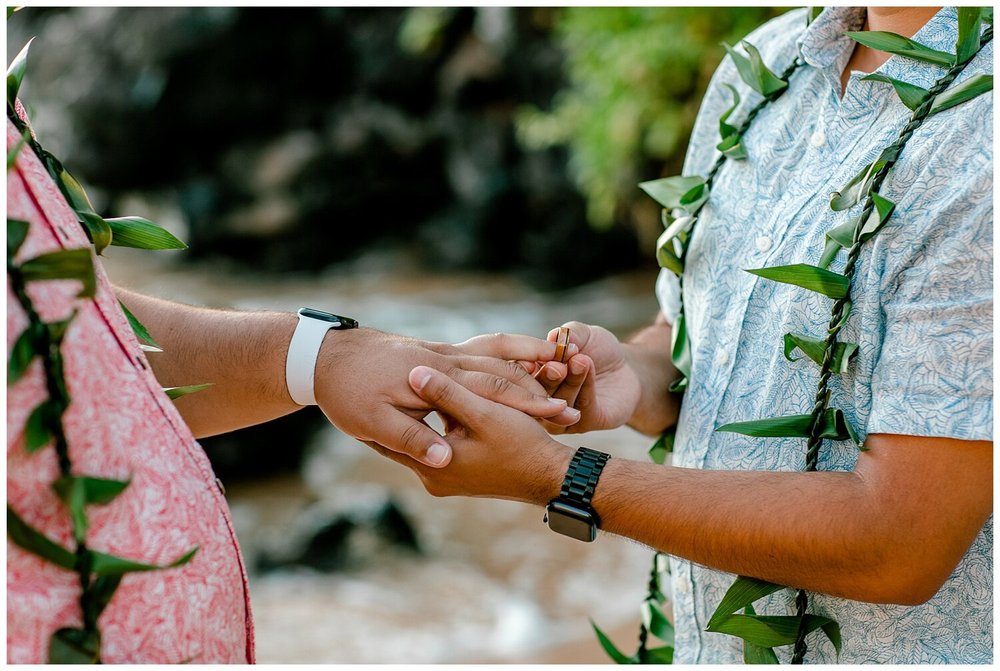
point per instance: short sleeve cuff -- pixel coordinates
(932, 416)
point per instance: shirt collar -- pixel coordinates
(824, 46)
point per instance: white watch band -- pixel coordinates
(300, 363)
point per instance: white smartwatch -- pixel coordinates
(300, 364)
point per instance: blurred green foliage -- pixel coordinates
(636, 78)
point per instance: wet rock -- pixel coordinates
(326, 541)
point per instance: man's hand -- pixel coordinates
(599, 381)
(361, 385)
(499, 452)
(614, 383)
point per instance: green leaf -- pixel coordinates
(967, 90)
(909, 94)
(15, 73)
(65, 264)
(137, 327)
(694, 198)
(834, 426)
(876, 220)
(98, 231)
(104, 588)
(176, 392)
(22, 354)
(74, 494)
(678, 228)
(609, 647)
(17, 231)
(969, 24)
(767, 630)
(663, 446)
(987, 13)
(743, 592)
(28, 538)
(770, 83)
(812, 13)
(753, 71)
(814, 348)
(808, 277)
(664, 655)
(732, 147)
(755, 654)
(669, 191)
(105, 564)
(37, 430)
(680, 346)
(142, 234)
(96, 491)
(832, 631)
(74, 646)
(725, 130)
(665, 254)
(16, 150)
(656, 622)
(850, 194)
(901, 46)
(11, 10)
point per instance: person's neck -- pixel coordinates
(905, 21)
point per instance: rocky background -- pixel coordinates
(292, 138)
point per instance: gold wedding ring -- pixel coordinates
(562, 344)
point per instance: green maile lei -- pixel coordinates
(99, 573)
(686, 196)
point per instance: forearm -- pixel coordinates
(808, 530)
(648, 354)
(241, 353)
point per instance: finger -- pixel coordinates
(509, 370)
(579, 336)
(511, 346)
(551, 375)
(449, 397)
(577, 371)
(506, 392)
(401, 433)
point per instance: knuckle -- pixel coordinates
(410, 439)
(499, 387)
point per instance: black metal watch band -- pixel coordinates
(582, 475)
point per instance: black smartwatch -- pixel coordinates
(570, 513)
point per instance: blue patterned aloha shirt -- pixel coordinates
(923, 311)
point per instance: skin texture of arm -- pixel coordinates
(891, 531)
(361, 374)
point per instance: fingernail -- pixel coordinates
(571, 350)
(577, 367)
(557, 401)
(422, 377)
(551, 373)
(573, 414)
(437, 454)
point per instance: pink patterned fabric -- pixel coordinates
(120, 425)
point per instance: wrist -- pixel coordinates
(656, 408)
(549, 474)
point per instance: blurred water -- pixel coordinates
(492, 584)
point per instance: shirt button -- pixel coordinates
(722, 357)
(764, 243)
(817, 139)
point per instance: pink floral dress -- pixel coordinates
(120, 425)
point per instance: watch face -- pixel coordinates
(566, 519)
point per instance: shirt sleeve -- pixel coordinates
(933, 375)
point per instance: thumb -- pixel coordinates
(579, 335)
